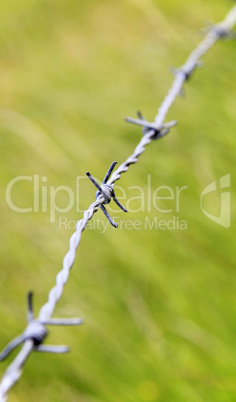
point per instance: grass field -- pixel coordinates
(159, 304)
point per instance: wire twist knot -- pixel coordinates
(106, 192)
(37, 332)
(222, 31)
(158, 131)
(186, 71)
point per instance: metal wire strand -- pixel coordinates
(151, 131)
(218, 31)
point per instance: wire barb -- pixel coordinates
(158, 131)
(106, 193)
(221, 31)
(186, 73)
(37, 332)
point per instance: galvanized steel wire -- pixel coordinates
(36, 331)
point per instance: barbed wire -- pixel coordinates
(36, 331)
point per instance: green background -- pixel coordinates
(158, 305)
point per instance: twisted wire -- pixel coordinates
(68, 261)
(219, 31)
(13, 372)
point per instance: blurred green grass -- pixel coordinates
(159, 305)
